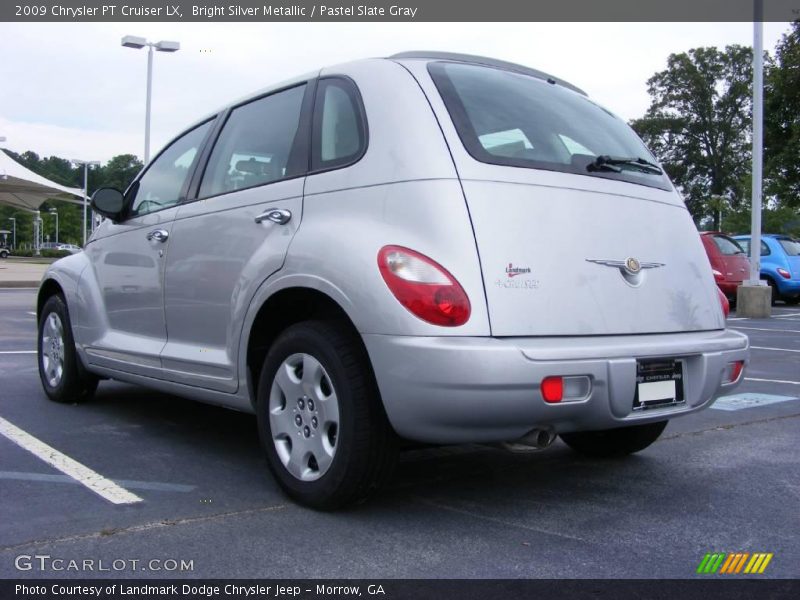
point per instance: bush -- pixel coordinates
(44, 253)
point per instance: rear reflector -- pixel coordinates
(733, 371)
(552, 389)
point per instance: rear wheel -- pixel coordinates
(4, 253)
(793, 300)
(321, 422)
(614, 442)
(63, 377)
(773, 289)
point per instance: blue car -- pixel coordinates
(780, 264)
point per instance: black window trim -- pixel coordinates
(298, 153)
(354, 94)
(134, 186)
(469, 137)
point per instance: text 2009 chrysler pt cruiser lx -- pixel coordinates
(436, 247)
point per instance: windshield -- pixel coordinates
(508, 118)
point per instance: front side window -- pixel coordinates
(727, 246)
(509, 118)
(255, 144)
(339, 131)
(161, 185)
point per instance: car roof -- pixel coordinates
(432, 55)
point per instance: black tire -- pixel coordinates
(773, 290)
(3, 253)
(614, 442)
(365, 444)
(75, 383)
(792, 301)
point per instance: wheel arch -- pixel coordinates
(48, 288)
(281, 309)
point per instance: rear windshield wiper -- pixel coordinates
(609, 163)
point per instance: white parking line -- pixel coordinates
(775, 349)
(80, 473)
(772, 380)
(17, 351)
(766, 329)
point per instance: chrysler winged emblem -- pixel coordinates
(630, 268)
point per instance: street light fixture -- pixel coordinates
(86, 164)
(53, 211)
(137, 43)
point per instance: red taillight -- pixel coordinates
(717, 275)
(723, 300)
(552, 389)
(733, 371)
(423, 286)
(784, 273)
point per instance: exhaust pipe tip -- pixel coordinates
(536, 439)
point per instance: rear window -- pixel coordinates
(791, 247)
(727, 246)
(508, 118)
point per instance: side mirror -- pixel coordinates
(109, 202)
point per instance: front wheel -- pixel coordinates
(63, 377)
(320, 418)
(614, 442)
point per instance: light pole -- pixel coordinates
(132, 41)
(53, 211)
(86, 164)
(13, 232)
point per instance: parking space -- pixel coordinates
(723, 480)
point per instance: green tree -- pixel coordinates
(782, 121)
(119, 171)
(698, 124)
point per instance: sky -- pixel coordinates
(71, 89)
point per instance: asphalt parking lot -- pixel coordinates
(724, 480)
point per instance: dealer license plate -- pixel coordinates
(659, 383)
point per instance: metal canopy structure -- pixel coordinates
(22, 188)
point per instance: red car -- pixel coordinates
(728, 260)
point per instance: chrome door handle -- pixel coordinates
(280, 216)
(159, 235)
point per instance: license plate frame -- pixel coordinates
(659, 383)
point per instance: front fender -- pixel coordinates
(65, 273)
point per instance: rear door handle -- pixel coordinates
(280, 216)
(158, 235)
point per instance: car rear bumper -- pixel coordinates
(475, 389)
(788, 287)
(729, 288)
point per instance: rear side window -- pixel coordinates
(727, 246)
(255, 144)
(509, 118)
(339, 132)
(791, 247)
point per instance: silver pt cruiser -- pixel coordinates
(431, 247)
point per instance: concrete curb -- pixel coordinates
(19, 284)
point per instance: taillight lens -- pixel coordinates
(423, 286)
(723, 300)
(733, 371)
(784, 273)
(717, 275)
